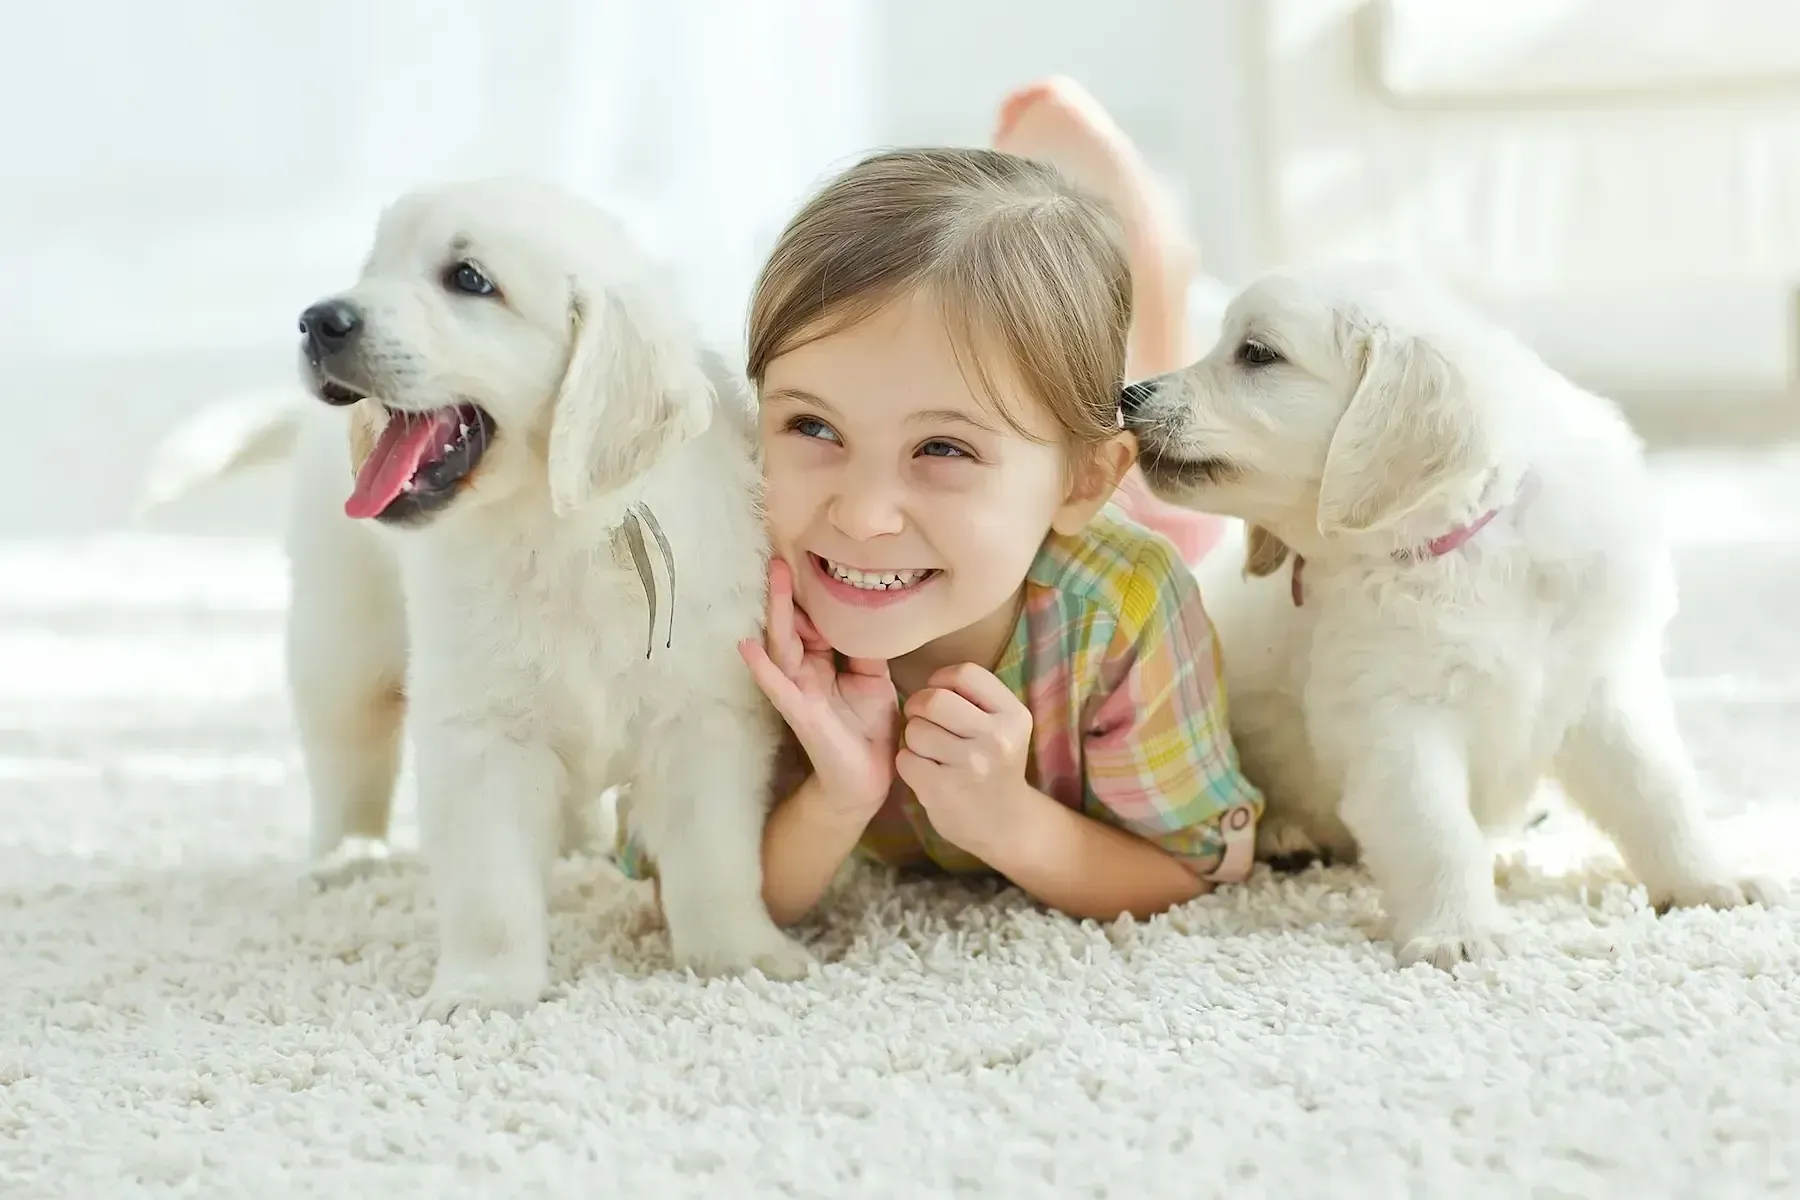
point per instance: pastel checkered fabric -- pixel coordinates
(1120, 667)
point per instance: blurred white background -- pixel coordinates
(1618, 178)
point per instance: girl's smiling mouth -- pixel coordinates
(869, 588)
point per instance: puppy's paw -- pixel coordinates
(499, 988)
(1445, 949)
(1760, 889)
(1286, 847)
(351, 859)
(643, 920)
(733, 947)
(1702, 892)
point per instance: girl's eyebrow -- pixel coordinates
(933, 416)
(950, 416)
(796, 396)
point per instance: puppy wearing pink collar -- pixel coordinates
(1474, 597)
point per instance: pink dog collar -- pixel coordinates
(1438, 546)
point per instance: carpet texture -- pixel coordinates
(180, 1015)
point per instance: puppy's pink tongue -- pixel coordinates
(395, 459)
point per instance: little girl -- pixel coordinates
(986, 667)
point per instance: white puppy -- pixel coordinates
(540, 546)
(1474, 597)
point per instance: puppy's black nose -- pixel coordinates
(1134, 396)
(329, 326)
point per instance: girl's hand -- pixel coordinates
(967, 741)
(848, 723)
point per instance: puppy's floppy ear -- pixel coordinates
(1411, 429)
(366, 422)
(1263, 552)
(633, 389)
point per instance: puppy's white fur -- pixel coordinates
(1408, 707)
(508, 630)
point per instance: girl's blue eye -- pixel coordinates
(942, 449)
(812, 427)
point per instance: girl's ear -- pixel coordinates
(1095, 483)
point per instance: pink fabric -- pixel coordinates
(1194, 533)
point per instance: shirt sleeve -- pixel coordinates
(1158, 752)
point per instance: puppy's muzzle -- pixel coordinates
(1139, 405)
(331, 330)
(1134, 398)
(330, 327)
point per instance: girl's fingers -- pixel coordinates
(869, 668)
(980, 687)
(782, 692)
(917, 772)
(950, 711)
(810, 638)
(785, 648)
(933, 742)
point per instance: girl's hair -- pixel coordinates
(1018, 259)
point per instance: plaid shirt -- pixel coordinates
(1120, 668)
(1115, 659)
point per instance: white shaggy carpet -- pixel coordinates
(180, 1016)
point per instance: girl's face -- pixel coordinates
(908, 510)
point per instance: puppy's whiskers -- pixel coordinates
(1158, 433)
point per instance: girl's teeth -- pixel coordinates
(876, 581)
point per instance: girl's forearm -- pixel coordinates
(1086, 868)
(805, 841)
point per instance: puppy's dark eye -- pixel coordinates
(465, 276)
(1255, 354)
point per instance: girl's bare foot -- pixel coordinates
(1056, 121)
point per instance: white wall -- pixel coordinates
(191, 174)
(205, 169)
(1172, 73)
(1620, 180)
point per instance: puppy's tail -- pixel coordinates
(218, 442)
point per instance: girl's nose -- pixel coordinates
(865, 513)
